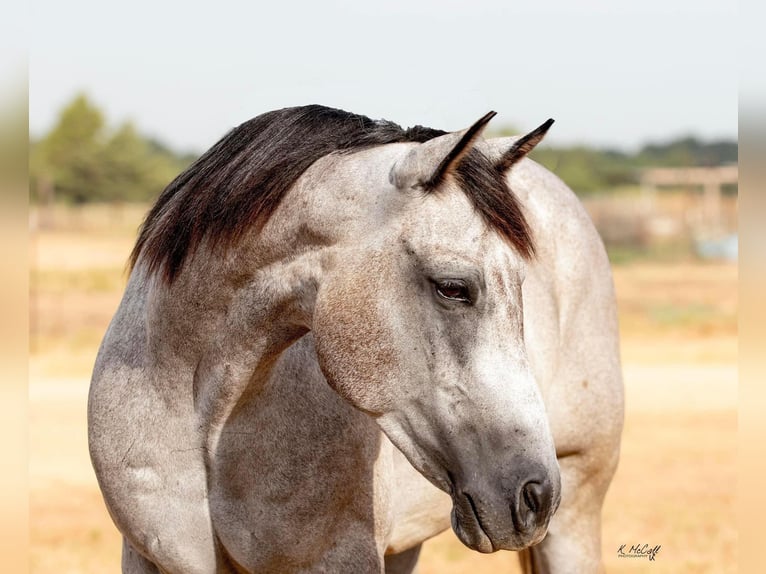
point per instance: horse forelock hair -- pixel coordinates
(241, 180)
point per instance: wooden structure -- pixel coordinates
(710, 179)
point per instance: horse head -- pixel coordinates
(420, 325)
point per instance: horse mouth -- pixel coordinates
(467, 524)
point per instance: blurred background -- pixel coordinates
(645, 100)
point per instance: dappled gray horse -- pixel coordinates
(339, 336)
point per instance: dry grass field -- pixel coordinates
(675, 486)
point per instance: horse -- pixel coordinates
(339, 337)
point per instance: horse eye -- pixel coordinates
(453, 291)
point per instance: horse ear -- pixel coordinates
(522, 146)
(428, 165)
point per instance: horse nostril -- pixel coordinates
(535, 503)
(532, 496)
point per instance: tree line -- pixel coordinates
(588, 170)
(81, 159)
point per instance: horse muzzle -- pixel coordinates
(511, 516)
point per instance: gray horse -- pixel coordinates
(340, 336)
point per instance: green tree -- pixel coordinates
(80, 160)
(69, 155)
(125, 162)
(134, 168)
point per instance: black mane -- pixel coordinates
(240, 181)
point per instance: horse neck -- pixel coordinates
(226, 319)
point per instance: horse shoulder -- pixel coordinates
(144, 448)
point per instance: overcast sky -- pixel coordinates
(610, 72)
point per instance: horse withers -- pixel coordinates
(340, 336)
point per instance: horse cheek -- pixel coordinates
(354, 344)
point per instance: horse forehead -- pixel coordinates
(446, 222)
(445, 215)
